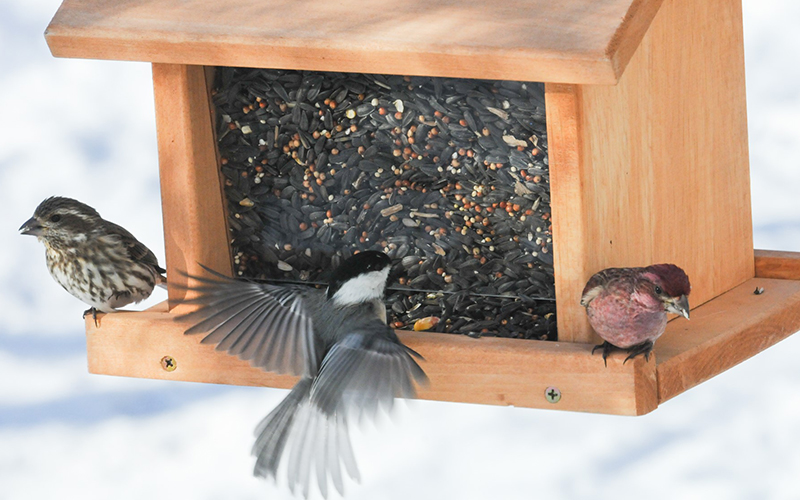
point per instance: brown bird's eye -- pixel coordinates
(55, 218)
(659, 291)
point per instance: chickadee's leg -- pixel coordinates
(644, 348)
(94, 315)
(606, 350)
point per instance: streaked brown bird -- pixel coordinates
(97, 261)
(628, 306)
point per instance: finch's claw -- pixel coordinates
(94, 315)
(606, 351)
(644, 348)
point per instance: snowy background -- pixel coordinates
(85, 129)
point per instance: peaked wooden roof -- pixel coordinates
(568, 41)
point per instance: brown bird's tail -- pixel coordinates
(161, 279)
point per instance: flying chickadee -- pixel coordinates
(628, 306)
(350, 362)
(95, 260)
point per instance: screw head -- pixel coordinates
(552, 394)
(168, 363)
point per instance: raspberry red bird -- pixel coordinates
(97, 261)
(628, 306)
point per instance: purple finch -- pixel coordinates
(97, 261)
(628, 306)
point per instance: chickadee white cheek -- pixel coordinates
(362, 288)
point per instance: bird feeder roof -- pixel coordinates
(565, 41)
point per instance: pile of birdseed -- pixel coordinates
(448, 176)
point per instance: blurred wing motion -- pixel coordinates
(314, 440)
(365, 371)
(265, 324)
(361, 373)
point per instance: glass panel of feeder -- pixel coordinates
(448, 176)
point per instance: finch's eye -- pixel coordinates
(55, 218)
(659, 291)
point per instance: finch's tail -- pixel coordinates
(315, 441)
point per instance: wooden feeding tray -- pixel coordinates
(648, 162)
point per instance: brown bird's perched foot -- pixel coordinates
(93, 312)
(628, 306)
(97, 261)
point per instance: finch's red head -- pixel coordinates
(671, 278)
(671, 285)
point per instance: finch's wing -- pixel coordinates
(600, 281)
(365, 371)
(136, 249)
(267, 325)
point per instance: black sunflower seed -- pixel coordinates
(449, 177)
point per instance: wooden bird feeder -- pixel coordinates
(648, 158)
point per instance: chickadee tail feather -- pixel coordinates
(311, 439)
(273, 431)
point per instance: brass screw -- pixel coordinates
(168, 363)
(552, 394)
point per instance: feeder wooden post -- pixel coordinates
(195, 230)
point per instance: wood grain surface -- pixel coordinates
(573, 41)
(722, 333)
(195, 230)
(655, 169)
(781, 265)
(461, 369)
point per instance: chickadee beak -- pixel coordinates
(679, 306)
(31, 227)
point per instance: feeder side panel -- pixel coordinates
(665, 157)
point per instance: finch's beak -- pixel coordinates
(679, 306)
(31, 227)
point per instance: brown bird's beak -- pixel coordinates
(679, 306)
(31, 227)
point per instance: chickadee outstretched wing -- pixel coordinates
(265, 324)
(365, 371)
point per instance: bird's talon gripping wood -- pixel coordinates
(645, 348)
(93, 312)
(606, 347)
